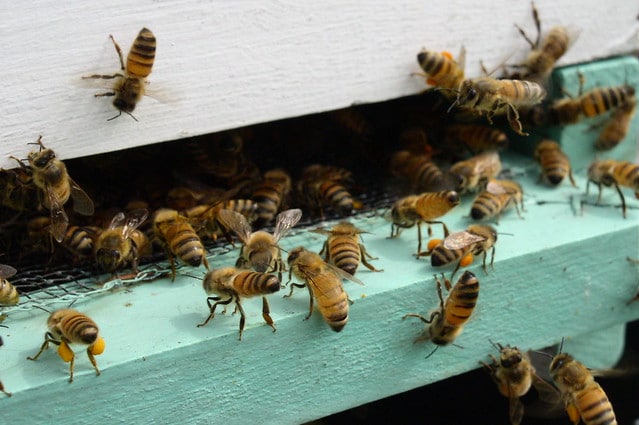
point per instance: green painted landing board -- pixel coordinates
(558, 274)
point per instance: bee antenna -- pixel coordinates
(561, 345)
(504, 233)
(495, 344)
(432, 352)
(112, 118)
(543, 353)
(192, 277)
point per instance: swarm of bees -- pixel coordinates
(463, 161)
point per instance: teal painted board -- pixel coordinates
(559, 271)
(578, 140)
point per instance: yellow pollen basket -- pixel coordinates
(98, 347)
(65, 352)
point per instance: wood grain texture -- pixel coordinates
(222, 65)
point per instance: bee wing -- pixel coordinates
(458, 240)
(285, 220)
(59, 218)
(495, 188)
(133, 220)
(515, 409)
(237, 223)
(7, 271)
(321, 231)
(344, 275)
(549, 403)
(81, 202)
(118, 220)
(461, 59)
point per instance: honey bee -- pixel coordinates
(343, 248)
(206, 218)
(447, 322)
(590, 104)
(230, 284)
(498, 196)
(132, 80)
(179, 238)
(51, 177)
(583, 397)
(8, 293)
(67, 326)
(462, 247)
(617, 126)
(324, 284)
(260, 249)
(2, 390)
(79, 241)
(494, 96)
(423, 208)
(473, 173)
(420, 171)
(545, 53)
(16, 189)
(609, 172)
(270, 194)
(555, 165)
(514, 374)
(322, 185)
(476, 138)
(440, 69)
(121, 242)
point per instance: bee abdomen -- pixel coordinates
(598, 101)
(485, 205)
(79, 328)
(345, 254)
(187, 245)
(337, 196)
(596, 408)
(78, 240)
(257, 283)
(142, 54)
(442, 256)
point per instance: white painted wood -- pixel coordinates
(228, 64)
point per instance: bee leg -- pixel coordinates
(205, 262)
(266, 313)
(572, 180)
(363, 254)
(294, 285)
(212, 308)
(513, 119)
(419, 316)
(8, 394)
(118, 51)
(310, 307)
(325, 250)
(45, 345)
(419, 238)
(623, 199)
(238, 306)
(93, 361)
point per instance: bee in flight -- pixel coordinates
(609, 172)
(67, 326)
(616, 128)
(121, 242)
(260, 249)
(343, 248)
(491, 96)
(130, 87)
(498, 196)
(441, 69)
(8, 293)
(447, 322)
(414, 210)
(230, 284)
(583, 396)
(554, 163)
(544, 53)
(462, 247)
(324, 284)
(50, 176)
(514, 374)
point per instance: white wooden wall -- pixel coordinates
(226, 64)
